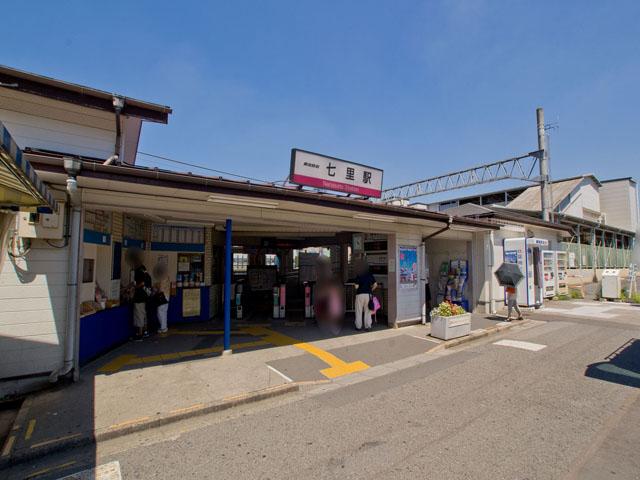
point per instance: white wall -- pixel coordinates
(584, 196)
(47, 124)
(405, 304)
(619, 202)
(33, 302)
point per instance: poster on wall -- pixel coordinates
(191, 302)
(408, 260)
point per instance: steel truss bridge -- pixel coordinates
(525, 168)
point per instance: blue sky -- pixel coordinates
(416, 88)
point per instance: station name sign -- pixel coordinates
(329, 173)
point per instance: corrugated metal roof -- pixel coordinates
(530, 198)
(20, 186)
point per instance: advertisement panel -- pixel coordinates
(408, 260)
(329, 173)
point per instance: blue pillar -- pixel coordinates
(228, 267)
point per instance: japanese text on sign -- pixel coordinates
(320, 171)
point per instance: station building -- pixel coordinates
(74, 203)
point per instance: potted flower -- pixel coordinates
(450, 321)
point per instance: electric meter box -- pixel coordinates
(611, 285)
(42, 225)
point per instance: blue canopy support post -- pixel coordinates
(228, 266)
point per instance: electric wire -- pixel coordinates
(222, 172)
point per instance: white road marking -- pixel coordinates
(598, 312)
(534, 347)
(287, 379)
(423, 338)
(106, 471)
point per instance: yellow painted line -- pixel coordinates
(198, 332)
(30, 428)
(126, 360)
(55, 440)
(8, 446)
(188, 409)
(128, 422)
(337, 366)
(49, 469)
(116, 364)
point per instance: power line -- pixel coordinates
(203, 168)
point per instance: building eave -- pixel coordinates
(177, 180)
(21, 81)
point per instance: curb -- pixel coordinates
(142, 424)
(476, 334)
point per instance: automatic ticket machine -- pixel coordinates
(527, 253)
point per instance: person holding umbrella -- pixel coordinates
(509, 275)
(512, 302)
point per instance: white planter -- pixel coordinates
(447, 328)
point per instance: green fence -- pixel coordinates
(605, 257)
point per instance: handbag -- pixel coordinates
(371, 305)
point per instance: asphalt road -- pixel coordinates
(484, 411)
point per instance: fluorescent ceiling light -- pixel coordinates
(375, 218)
(190, 223)
(242, 202)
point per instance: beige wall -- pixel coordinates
(33, 305)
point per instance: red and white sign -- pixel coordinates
(329, 173)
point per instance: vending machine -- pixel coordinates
(561, 273)
(527, 253)
(549, 273)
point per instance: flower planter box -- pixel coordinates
(447, 328)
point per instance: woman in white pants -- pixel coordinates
(163, 292)
(366, 283)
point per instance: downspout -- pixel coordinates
(492, 259)
(73, 167)
(438, 232)
(118, 105)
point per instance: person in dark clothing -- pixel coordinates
(142, 281)
(366, 284)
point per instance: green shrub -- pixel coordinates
(575, 293)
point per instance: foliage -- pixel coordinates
(563, 297)
(575, 293)
(447, 309)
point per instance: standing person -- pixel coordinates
(142, 282)
(366, 284)
(512, 302)
(163, 294)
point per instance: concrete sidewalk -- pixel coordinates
(125, 391)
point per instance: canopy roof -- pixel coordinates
(20, 186)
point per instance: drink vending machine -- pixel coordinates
(549, 271)
(526, 252)
(562, 286)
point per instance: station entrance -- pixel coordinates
(306, 279)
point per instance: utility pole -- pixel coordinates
(545, 185)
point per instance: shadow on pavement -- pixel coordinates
(622, 366)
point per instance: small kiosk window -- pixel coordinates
(87, 270)
(190, 269)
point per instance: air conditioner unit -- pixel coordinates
(42, 225)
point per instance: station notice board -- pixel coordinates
(191, 302)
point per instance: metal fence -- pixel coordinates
(605, 257)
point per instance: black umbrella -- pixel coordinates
(509, 275)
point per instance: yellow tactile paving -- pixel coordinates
(337, 367)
